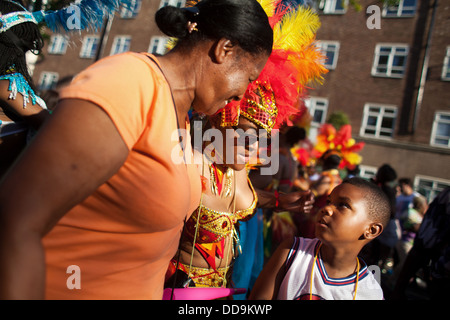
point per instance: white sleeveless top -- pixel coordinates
(297, 280)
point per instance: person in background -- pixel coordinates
(410, 222)
(288, 172)
(405, 196)
(430, 252)
(103, 192)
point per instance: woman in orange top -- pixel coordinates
(97, 195)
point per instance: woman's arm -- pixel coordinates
(77, 150)
(297, 201)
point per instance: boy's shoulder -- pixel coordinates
(305, 244)
(301, 247)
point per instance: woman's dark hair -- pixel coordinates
(244, 22)
(16, 41)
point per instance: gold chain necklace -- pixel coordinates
(225, 180)
(312, 274)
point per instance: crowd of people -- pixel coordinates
(109, 197)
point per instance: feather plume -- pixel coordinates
(296, 29)
(269, 6)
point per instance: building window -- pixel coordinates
(330, 49)
(174, 3)
(332, 6)
(132, 10)
(158, 45)
(378, 121)
(48, 80)
(390, 60)
(120, 44)
(405, 8)
(430, 187)
(367, 172)
(89, 47)
(446, 66)
(58, 44)
(440, 133)
(318, 108)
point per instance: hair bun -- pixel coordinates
(172, 21)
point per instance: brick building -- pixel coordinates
(389, 72)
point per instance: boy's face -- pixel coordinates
(344, 219)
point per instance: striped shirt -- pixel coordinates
(297, 280)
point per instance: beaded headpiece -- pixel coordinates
(295, 61)
(12, 19)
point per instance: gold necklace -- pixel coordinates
(225, 180)
(312, 274)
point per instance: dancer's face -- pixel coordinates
(242, 141)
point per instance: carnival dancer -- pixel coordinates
(211, 241)
(22, 111)
(113, 202)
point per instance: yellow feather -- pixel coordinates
(296, 30)
(268, 6)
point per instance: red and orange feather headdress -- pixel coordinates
(295, 62)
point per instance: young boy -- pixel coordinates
(328, 267)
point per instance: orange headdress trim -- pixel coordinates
(295, 61)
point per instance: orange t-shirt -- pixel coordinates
(121, 238)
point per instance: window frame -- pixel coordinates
(329, 6)
(399, 12)
(131, 12)
(367, 172)
(160, 47)
(89, 45)
(437, 185)
(434, 128)
(58, 45)
(52, 84)
(118, 38)
(311, 104)
(175, 3)
(389, 65)
(323, 46)
(380, 117)
(445, 75)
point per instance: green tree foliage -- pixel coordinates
(338, 119)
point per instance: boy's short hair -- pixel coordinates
(377, 203)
